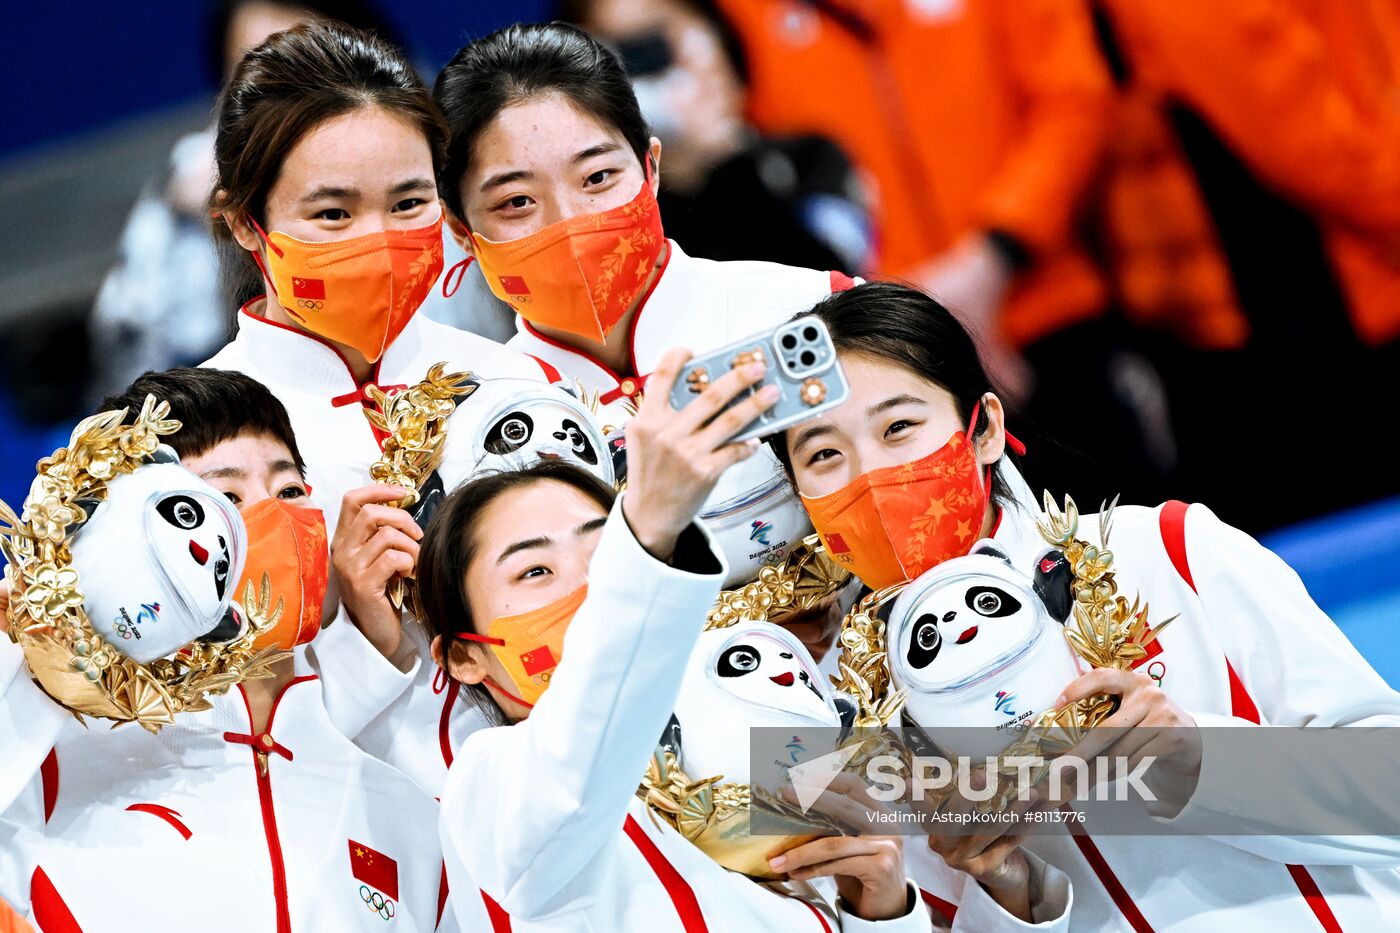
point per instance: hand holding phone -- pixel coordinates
(801, 361)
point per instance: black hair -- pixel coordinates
(902, 325)
(524, 61)
(449, 544)
(282, 90)
(357, 14)
(212, 406)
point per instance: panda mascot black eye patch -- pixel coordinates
(925, 641)
(992, 602)
(738, 661)
(573, 434)
(181, 511)
(510, 433)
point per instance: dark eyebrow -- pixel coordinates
(412, 184)
(505, 178)
(329, 191)
(893, 402)
(815, 431)
(600, 149)
(228, 472)
(525, 545)
(590, 526)
(279, 466)
(545, 541)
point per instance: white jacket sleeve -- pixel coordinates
(30, 724)
(1300, 670)
(358, 682)
(533, 811)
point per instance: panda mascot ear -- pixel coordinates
(845, 708)
(1051, 581)
(671, 737)
(164, 453)
(430, 496)
(989, 548)
(617, 449)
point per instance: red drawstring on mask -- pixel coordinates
(484, 639)
(506, 693)
(447, 277)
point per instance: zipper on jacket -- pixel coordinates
(261, 746)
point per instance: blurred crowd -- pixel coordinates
(1175, 227)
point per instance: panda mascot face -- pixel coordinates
(753, 674)
(975, 642)
(158, 561)
(507, 424)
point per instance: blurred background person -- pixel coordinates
(980, 124)
(1249, 213)
(799, 197)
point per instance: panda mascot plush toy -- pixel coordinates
(159, 559)
(977, 643)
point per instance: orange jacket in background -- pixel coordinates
(1304, 93)
(965, 115)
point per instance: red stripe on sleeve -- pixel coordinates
(826, 927)
(1173, 522)
(50, 912)
(1109, 880)
(500, 920)
(165, 813)
(946, 908)
(682, 895)
(48, 777)
(1313, 895)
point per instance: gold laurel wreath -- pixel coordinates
(71, 662)
(1108, 631)
(415, 421)
(803, 580)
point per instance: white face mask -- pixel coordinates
(975, 644)
(158, 562)
(750, 675)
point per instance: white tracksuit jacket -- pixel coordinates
(390, 708)
(699, 304)
(1243, 616)
(207, 826)
(543, 817)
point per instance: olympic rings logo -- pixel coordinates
(377, 902)
(310, 305)
(1157, 670)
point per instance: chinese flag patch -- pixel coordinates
(837, 544)
(514, 285)
(308, 288)
(374, 869)
(538, 660)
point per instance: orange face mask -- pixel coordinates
(288, 543)
(530, 645)
(581, 274)
(360, 292)
(890, 525)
